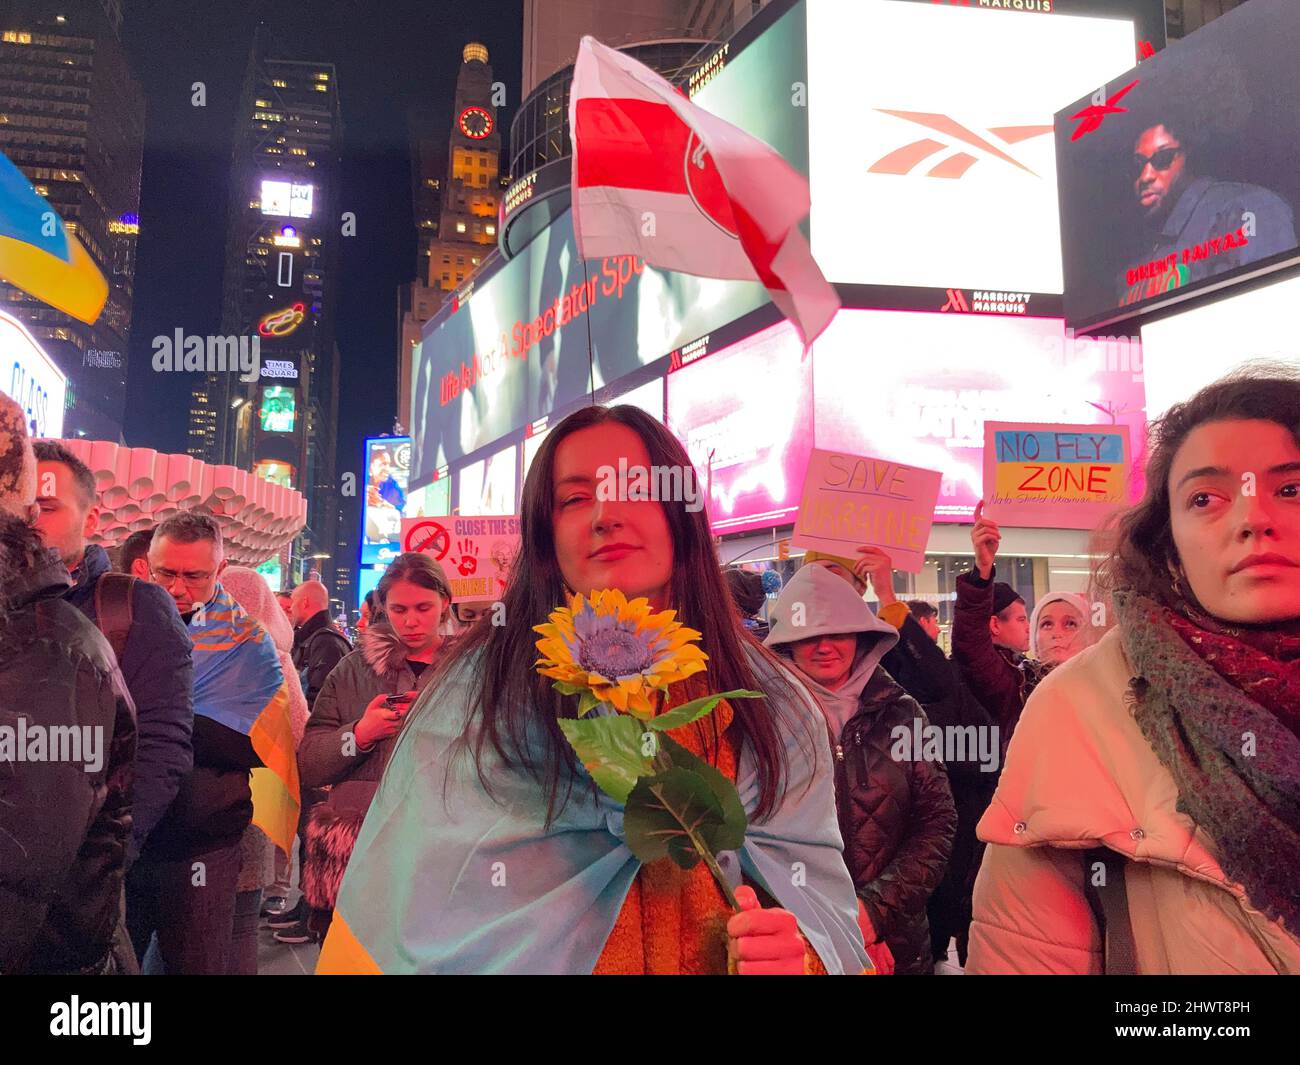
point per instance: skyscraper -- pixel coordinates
(72, 119)
(279, 289)
(456, 187)
(467, 227)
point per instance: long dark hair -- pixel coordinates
(1141, 556)
(511, 703)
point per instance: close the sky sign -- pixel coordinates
(476, 553)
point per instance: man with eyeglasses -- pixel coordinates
(141, 625)
(1197, 226)
(183, 886)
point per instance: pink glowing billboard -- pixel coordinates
(918, 388)
(744, 414)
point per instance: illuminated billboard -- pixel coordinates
(281, 473)
(1179, 176)
(1183, 353)
(388, 467)
(546, 329)
(744, 415)
(278, 408)
(488, 486)
(286, 198)
(918, 388)
(931, 159)
(30, 377)
(431, 500)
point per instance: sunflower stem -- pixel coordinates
(702, 849)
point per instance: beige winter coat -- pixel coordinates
(1080, 774)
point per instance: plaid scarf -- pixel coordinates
(1219, 708)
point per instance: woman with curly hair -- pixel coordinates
(1148, 818)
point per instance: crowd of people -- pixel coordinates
(1105, 783)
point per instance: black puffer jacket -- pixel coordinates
(895, 807)
(65, 820)
(897, 817)
(926, 674)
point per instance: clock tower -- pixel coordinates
(467, 227)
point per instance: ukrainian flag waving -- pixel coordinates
(39, 255)
(238, 683)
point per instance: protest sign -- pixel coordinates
(476, 553)
(1050, 476)
(850, 502)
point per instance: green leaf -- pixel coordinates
(730, 835)
(610, 747)
(587, 702)
(669, 815)
(696, 709)
(565, 688)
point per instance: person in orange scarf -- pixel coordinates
(488, 849)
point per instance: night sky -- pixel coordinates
(389, 54)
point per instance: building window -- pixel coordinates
(460, 227)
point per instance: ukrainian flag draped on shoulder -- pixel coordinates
(447, 879)
(238, 683)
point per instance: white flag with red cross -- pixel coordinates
(655, 175)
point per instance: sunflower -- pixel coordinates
(609, 650)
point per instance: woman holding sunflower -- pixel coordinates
(489, 848)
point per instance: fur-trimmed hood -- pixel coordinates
(382, 649)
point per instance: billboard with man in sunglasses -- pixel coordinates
(1180, 175)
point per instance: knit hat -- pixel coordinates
(1004, 595)
(1077, 601)
(747, 590)
(846, 564)
(17, 463)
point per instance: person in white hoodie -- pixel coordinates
(1060, 627)
(895, 806)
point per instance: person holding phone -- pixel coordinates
(356, 719)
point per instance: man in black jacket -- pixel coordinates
(933, 680)
(154, 650)
(67, 748)
(183, 886)
(317, 645)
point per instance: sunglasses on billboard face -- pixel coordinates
(1161, 160)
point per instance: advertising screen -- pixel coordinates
(744, 415)
(286, 198)
(30, 377)
(1184, 177)
(271, 571)
(277, 410)
(276, 472)
(546, 329)
(918, 388)
(931, 160)
(388, 467)
(488, 486)
(434, 498)
(1185, 352)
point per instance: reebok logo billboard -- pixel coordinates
(906, 159)
(985, 302)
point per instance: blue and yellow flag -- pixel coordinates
(238, 683)
(40, 256)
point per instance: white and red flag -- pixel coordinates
(656, 176)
